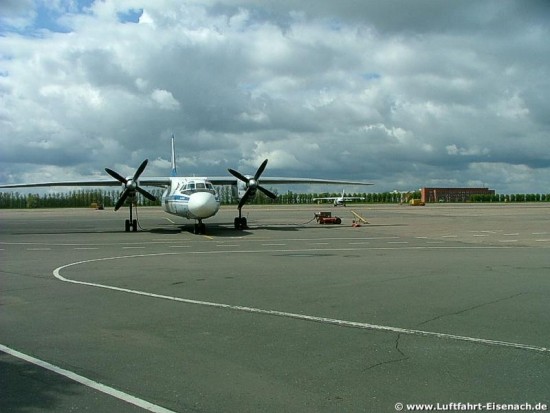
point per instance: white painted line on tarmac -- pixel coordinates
(87, 382)
(324, 320)
(86, 248)
(39, 249)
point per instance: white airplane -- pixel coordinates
(340, 200)
(188, 197)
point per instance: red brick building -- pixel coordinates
(452, 194)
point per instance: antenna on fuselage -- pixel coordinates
(174, 171)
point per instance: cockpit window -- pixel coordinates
(197, 186)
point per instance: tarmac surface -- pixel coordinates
(424, 305)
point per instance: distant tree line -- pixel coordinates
(84, 198)
(511, 198)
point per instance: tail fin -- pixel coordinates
(174, 171)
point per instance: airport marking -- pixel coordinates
(297, 316)
(128, 398)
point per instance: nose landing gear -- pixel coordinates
(199, 228)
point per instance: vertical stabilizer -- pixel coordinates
(174, 171)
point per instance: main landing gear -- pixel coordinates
(130, 224)
(240, 222)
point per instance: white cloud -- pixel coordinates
(416, 94)
(165, 99)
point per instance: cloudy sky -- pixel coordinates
(403, 94)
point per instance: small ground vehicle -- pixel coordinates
(327, 218)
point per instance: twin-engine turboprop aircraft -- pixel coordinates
(340, 200)
(188, 197)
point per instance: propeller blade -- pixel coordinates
(116, 176)
(268, 193)
(238, 175)
(244, 199)
(140, 169)
(121, 200)
(260, 170)
(146, 194)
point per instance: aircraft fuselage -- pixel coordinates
(191, 198)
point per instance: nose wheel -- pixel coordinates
(199, 228)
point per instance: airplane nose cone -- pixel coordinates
(203, 205)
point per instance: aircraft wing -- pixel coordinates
(225, 180)
(156, 181)
(165, 181)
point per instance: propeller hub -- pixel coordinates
(252, 183)
(131, 184)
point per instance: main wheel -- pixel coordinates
(127, 225)
(134, 225)
(240, 223)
